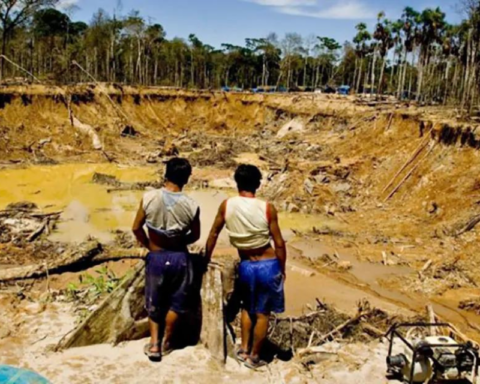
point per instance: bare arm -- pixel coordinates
(280, 248)
(217, 227)
(195, 230)
(137, 228)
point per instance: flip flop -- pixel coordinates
(166, 351)
(255, 363)
(239, 357)
(153, 356)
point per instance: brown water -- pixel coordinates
(367, 277)
(89, 210)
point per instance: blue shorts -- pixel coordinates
(168, 285)
(261, 286)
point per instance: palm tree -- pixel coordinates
(383, 34)
(432, 24)
(375, 46)
(361, 48)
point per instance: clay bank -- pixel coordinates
(378, 204)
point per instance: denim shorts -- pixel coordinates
(261, 286)
(168, 285)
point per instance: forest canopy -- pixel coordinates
(417, 56)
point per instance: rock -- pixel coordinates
(295, 125)
(344, 265)
(22, 206)
(153, 157)
(432, 207)
(309, 187)
(226, 183)
(171, 150)
(292, 208)
(330, 210)
(129, 131)
(4, 332)
(306, 209)
(322, 178)
(104, 179)
(42, 142)
(341, 187)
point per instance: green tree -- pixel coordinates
(16, 13)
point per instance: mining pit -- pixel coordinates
(379, 204)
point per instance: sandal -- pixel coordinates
(239, 357)
(166, 350)
(255, 363)
(153, 356)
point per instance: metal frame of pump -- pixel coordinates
(392, 332)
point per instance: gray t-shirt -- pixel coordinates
(168, 213)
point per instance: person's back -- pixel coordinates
(247, 222)
(252, 224)
(173, 222)
(169, 218)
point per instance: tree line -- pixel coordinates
(419, 56)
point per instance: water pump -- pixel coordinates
(424, 359)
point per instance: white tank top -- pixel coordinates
(247, 223)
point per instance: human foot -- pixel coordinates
(254, 362)
(153, 351)
(241, 355)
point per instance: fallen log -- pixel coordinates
(83, 253)
(88, 131)
(38, 231)
(114, 319)
(469, 226)
(413, 156)
(121, 315)
(390, 121)
(407, 176)
(341, 327)
(373, 331)
(116, 254)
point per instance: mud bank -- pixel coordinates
(377, 202)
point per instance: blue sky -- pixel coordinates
(220, 21)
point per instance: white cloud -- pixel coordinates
(321, 9)
(64, 5)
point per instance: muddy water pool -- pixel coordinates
(88, 208)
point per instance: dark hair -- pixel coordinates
(248, 178)
(178, 171)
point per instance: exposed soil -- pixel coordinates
(378, 202)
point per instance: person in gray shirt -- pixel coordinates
(172, 220)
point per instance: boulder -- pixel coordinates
(294, 126)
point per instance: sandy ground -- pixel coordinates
(39, 327)
(338, 180)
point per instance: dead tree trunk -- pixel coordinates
(81, 254)
(121, 315)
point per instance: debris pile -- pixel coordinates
(22, 222)
(117, 185)
(326, 324)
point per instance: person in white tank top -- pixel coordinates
(252, 226)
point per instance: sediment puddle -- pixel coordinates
(89, 210)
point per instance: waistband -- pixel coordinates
(168, 253)
(263, 261)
